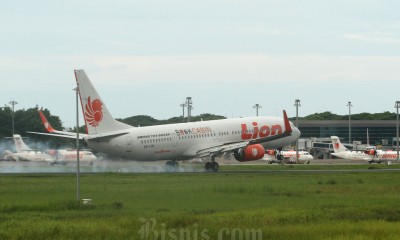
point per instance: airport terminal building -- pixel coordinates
(381, 132)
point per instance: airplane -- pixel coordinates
(62, 156)
(245, 138)
(274, 156)
(339, 150)
(382, 155)
(25, 153)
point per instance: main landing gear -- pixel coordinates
(171, 166)
(212, 166)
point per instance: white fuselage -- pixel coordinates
(71, 156)
(353, 155)
(184, 140)
(289, 156)
(386, 155)
(303, 155)
(31, 156)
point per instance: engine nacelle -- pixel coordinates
(249, 153)
(271, 152)
(52, 152)
(370, 151)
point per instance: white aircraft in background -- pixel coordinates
(64, 156)
(339, 150)
(25, 153)
(382, 155)
(274, 156)
(245, 138)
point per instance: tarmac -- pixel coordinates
(127, 166)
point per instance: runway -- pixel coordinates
(10, 167)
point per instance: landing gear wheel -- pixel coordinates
(215, 166)
(208, 166)
(212, 166)
(171, 166)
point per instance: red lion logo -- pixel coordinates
(94, 112)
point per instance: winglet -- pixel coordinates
(46, 123)
(288, 132)
(288, 128)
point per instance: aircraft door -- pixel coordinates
(129, 144)
(174, 139)
(217, 136)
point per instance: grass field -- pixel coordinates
(243, 205)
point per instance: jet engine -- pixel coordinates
(370, 151)
(271, 152)
(249, 153)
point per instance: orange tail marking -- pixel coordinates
(46, 123)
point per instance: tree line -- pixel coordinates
(359, 116)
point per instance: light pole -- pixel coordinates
(183, 105)
(189, 107)
(397, 129)
(297, 104)
(349, 104)
(257, 106)
(77, 146)
(13, 103)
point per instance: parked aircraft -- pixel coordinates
(25, 153)
(339, 150)
(53, 156)
(246, 137)
(275, 156)
(381, 155)
(64, 156)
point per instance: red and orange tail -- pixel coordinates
(46, 123)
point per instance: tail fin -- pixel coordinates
(51, 130)
(337, 145)
(97, 117)
(20, 146)
(46, 123)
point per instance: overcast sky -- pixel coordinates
(146, 57)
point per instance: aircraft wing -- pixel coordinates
(92, 137)
(73, 135)
(226, 147)
(50, 129)
(105, 136)
(54, 132)
(65, 134)
(218, 150)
